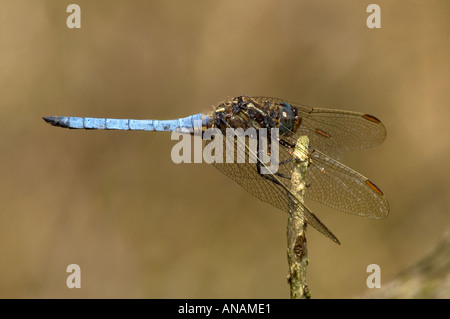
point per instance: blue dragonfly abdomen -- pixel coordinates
(190, 123)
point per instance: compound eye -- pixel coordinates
(287, 118)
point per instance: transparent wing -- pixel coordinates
(269, 188)
(338, 186)
(334, 131)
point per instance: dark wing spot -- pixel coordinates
(374, 187)
(323, 133)
(371, 118)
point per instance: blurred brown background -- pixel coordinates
(141, 226)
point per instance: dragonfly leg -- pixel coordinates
(286, 161)
(270, 177)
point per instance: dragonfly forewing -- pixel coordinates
(334, 131)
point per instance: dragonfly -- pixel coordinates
(330, 132)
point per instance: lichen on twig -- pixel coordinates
(296, 230)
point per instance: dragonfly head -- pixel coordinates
(287, 118)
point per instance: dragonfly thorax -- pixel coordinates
(245, 112)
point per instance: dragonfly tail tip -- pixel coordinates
(53, 120)
(49, 119)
